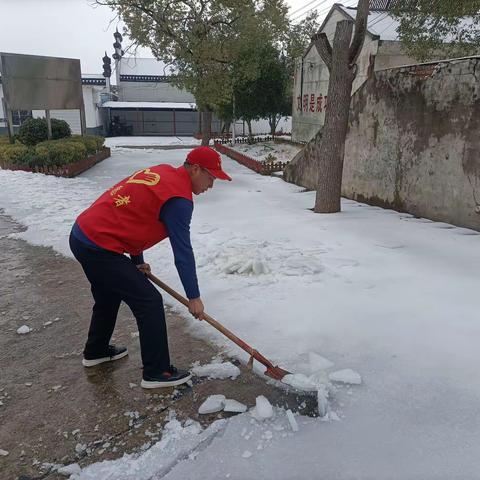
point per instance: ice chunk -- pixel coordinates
(292, 421)
(80, 448)
(234, 406)
(300, 382)
(24, 329)
(320, 378)
(322, 402)
(263, 408)
(217, 370)
(214, 403)
(247, 454)
(71, 469)
(346, 376)
(246, 267)
(317, 362)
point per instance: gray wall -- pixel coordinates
(153, 92)
(414, 142)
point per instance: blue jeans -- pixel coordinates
(113, 278)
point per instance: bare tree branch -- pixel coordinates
(320, 40)
(360, 29)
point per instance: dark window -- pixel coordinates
(19, 116)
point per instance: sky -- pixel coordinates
(78, 29)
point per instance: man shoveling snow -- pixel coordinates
(134, 215)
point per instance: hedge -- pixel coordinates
(51, 152)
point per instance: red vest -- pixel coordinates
(125, 219)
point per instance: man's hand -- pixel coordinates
(144, 268)
(195, 307)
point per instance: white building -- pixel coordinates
(149, 104)
(381, 50)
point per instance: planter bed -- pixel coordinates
(69, 170)
(264, 168)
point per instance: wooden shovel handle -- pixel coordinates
(251, 351)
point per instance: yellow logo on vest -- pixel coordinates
(120, 201)
(145, 177)
(115, 190)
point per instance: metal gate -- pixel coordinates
(156, 122)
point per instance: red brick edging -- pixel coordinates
(260, 167)
(70, 170)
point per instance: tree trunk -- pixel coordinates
(250, 134)
(273, 124)
(226, 128)
(206, 127)
(330, 151)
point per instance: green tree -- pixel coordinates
(200, 39)
(261, 85)
(439, 27)
(299, 37)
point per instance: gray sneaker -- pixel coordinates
(112, 353)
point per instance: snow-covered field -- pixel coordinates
(390, 296)
(277, 152)
(150, 141)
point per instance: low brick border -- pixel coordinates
(67, 171)
(263, 168)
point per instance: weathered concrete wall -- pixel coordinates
(414, 141)
(390, 54)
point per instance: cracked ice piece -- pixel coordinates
(300, 382)
(292, 421)
(24, 329)
(234, 406)
(322, 402)
(346, 376)
(317, 362)
(263, 407)
(214, 403)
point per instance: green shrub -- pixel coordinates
(93, 143)
(100, 141)
(59, 152)
(14, 154)
(33, 131)
(60, 129)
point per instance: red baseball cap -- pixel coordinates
(209, 159)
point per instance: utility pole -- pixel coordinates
(117, 57)
(107, 70)
(233, 120)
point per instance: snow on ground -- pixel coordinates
(388, 295)
(150, 141)
(220, 370)
(264, 151)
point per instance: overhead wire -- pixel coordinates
(301, 8)
(294, 18)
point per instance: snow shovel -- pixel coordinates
(272, 371)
